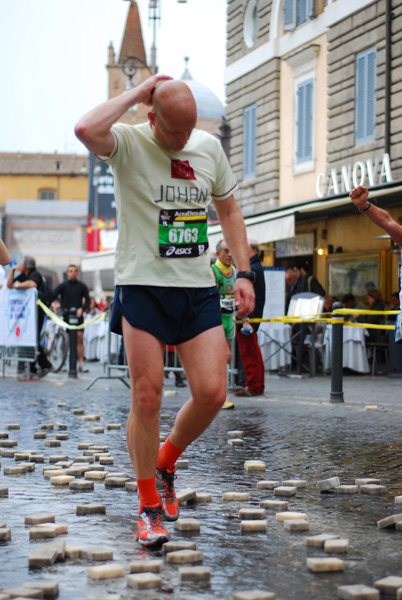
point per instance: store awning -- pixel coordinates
(269, 227)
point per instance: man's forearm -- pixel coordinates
(381, 218)
(234, 232)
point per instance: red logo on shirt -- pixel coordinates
(17, 331)
(181, 169)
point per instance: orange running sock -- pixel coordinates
(168, 454)
(147, 492)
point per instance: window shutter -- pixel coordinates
(304, 125)
(365, 95)
(249, 123)
(310, 9)
(289, 14)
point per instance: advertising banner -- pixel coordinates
(102, 224)
(19, 317)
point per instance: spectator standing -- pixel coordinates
(74, 294)
(375, 302)
(291, 281)
(246, 335)
(306, 282)
(225, 277)
(30, 277)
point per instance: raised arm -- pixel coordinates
(234, 232)
(93, 129)
(380, 217)
(4, 254)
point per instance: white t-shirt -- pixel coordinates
(161, 199)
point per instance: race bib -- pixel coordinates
(182, 233)
(228, 304)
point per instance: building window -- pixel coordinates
(304, 123)
(365, 96)
(296, 12)
(250, 23)
(47, 195)
(249, 125)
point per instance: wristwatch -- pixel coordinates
(250, 275)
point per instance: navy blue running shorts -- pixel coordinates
(173, 315)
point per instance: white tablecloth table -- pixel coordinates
(354, 348)
(276, 349)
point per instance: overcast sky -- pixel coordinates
(54, 52)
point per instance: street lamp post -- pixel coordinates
(154, 16)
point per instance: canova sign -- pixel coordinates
(366, 173)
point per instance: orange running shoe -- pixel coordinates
(164, 484)
(151, 530)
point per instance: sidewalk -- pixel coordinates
(293, 429)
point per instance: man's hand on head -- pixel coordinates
(148, 86)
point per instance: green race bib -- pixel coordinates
(182, 233)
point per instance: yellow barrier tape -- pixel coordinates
(356, 311)
(313, 319)
(62, 323)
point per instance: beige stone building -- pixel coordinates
(313, 100)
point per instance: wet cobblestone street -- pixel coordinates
(293, 428)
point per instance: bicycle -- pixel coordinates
(55, 340)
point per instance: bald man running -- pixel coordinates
(166, 174)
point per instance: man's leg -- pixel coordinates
(204, 360)
(145, 355)
(253, 363)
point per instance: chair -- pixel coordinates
(304, 304)
(378, 347)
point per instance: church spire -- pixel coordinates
(133, 42)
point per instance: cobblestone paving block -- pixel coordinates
(174, 546)
(248, 514)
(24, 592)
(367, 481)
(100, 448)
(37, 458)
(254, 465)
(84, 445)
(62, 479)
(389, 521)
(195, 573)
(55, 458)
(182, 463)
(4, 435)
(146, 566)
(62, 436)
(60, 546)
(346, 489)
(113, 426)
(12, 426)
(235, 433)
(203, 497)
(96, 475)
(7, 453)
(40, 435)
(187, 524)
(285, 490)
(297, 483)
(106, 571)
(131, 486)
(274, 504)
(50, 589)
(64, 464)
(14, 470)
(90, 509)
(398, 526)
(8, 443)
(236, 496)
(267, 484)
(79, 486)
(106, 460)
(62, 405)
(43, 530)
(144, 581)
(73, 551)
(116, 481)
(91, 418)
(328, 485)
(43, 556)
(296, 525)
(357, 592)
(256, 526)
(3, 491)
(320, 565)
(185, 495)
(235, 442)
(22, 456)
(288, 515)
(78, 411)
(318, 541)
(28, 466)
(372, 488)
(96, 554)
(5, 534)
(398, 499)
(54, 472)
(103, 597)
(89, 453)
(39, 518)
(184, 556)
(52, 443)
(46, 426)
(254, 595)
(389, 585)
(96, 430)
(371, 407)
(61, 426)
(339, 546)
